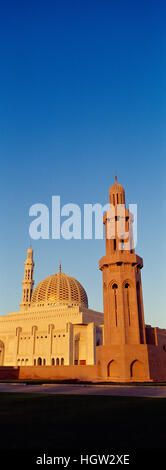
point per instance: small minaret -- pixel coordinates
(28, 281)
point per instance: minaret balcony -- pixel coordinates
(121, 257)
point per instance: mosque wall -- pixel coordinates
(80, 372)
(48, 339)
(157, 363)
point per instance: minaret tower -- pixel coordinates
(121, 268)
(28, 281)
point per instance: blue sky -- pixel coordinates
(82, 95)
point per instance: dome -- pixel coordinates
(59, 289)
(116, 193)
(116, 187)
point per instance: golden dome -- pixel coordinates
(59, 289)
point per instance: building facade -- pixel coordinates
(56, 329)
(54, 325)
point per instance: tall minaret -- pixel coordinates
(28, 281)
(121, 268)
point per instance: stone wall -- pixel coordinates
(58, 372)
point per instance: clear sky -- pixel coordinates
(82, 95)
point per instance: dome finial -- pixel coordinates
(116, 179)
(60, 267)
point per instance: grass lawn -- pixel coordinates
(36, 421)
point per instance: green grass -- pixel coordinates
(36, 421)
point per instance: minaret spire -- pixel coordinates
(28, 281)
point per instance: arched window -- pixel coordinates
(115, 287)
(140, 312)
(62, 361)
(138, 297)
(44, 362)
(39, 361)
(127, 286)
(53, 361)
(122, 245)
(57, 361)
(34, 362)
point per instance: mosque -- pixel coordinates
(55, 335)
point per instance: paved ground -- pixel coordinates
(153, 391)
